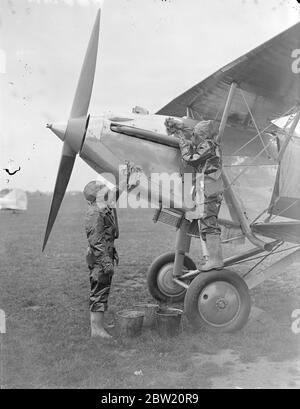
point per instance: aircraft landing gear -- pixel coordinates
(160, 278)
(218, 300)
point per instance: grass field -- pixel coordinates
(45, 297)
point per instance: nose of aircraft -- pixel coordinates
(59, 129)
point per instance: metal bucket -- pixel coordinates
(149, 311)
(129, 323)
(168, 321)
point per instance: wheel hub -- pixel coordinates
(166, 283)
(219, 303)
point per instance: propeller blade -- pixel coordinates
(73, 133)
(64, 173)
(86, 79)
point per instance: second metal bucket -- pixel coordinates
(149, 311)
(129, 323)
(168, 321)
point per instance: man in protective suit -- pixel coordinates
(100, 227)
(200, 150)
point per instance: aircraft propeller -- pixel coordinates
(72, 134)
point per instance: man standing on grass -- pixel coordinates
(101, 229)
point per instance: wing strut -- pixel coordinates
(189, 113)
(226, 110)
(233, 204)
(290, 134)
(222, 126)
(240, 215)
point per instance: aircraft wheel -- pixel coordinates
(160, 278)
(218, 300)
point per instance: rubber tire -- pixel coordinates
(153, 271)
(195, 289)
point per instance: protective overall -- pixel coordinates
(100, 230)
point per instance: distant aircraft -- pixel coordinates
(244, 98)
(15, 199)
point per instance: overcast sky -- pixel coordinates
(150, 51)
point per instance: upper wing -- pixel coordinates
(265, 75)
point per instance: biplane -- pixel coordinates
(256, 102)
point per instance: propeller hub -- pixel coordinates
(59, 129)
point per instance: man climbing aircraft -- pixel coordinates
(200, 150)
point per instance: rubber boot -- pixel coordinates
(97, 326)
(215, 258)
